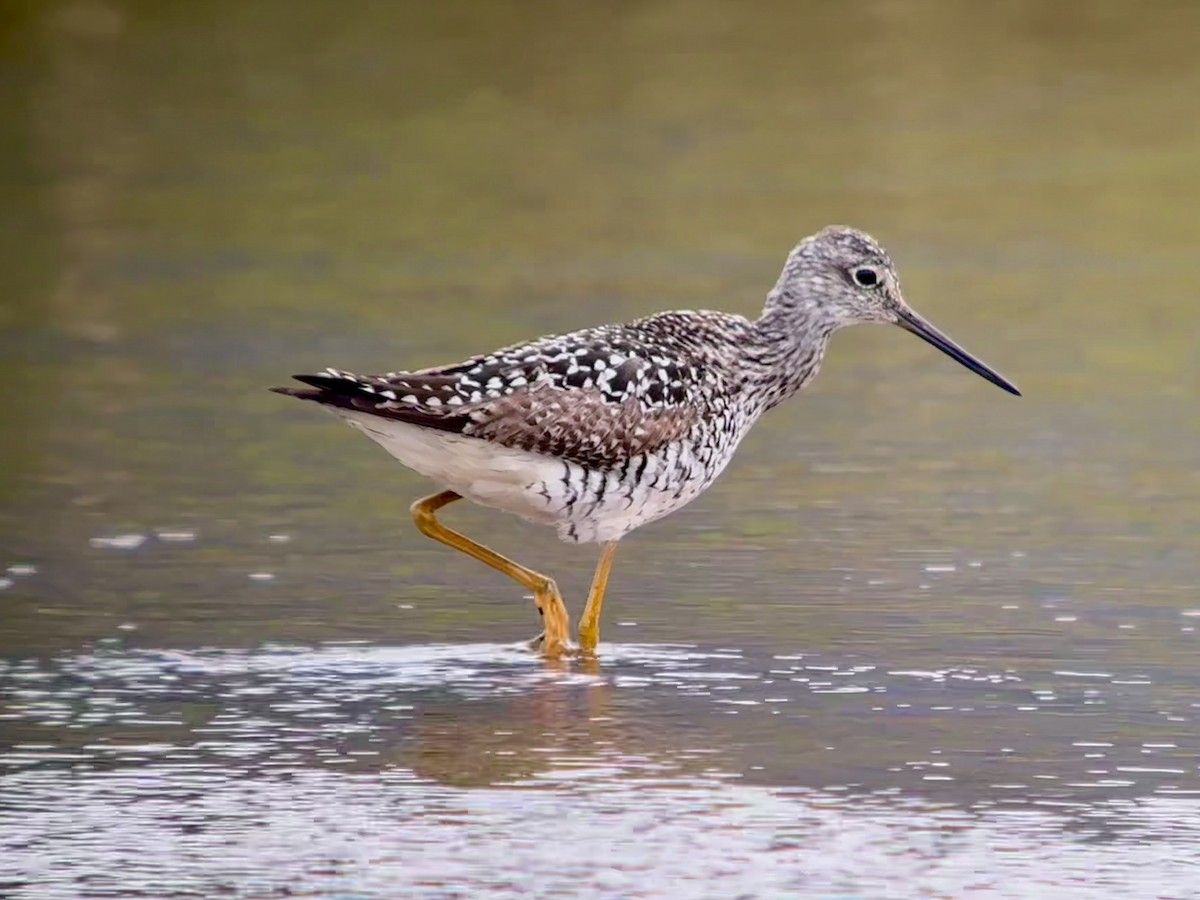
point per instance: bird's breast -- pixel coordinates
(598, 505)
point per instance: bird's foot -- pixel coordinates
(555, 638)
(589, 637)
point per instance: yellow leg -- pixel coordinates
(589, 625)
(555, 622)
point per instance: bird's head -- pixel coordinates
(841, 276)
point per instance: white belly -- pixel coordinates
(484, 473)
(585, 506)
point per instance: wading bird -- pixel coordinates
(600, 431)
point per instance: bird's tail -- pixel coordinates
(329, 389)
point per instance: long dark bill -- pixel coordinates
(910, 321)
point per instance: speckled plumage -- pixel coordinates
(602, 430)
(637, 418)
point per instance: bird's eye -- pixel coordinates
(865, 276)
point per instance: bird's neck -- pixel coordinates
(787, 346)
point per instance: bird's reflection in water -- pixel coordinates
(563, 723)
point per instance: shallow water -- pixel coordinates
(357, 769)
(922, 640)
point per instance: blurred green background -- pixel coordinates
(905, 573)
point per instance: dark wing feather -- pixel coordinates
(421, 403)
(575, 424)
(578, 425)
(596, 397)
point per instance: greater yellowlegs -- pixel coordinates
(602, 430)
